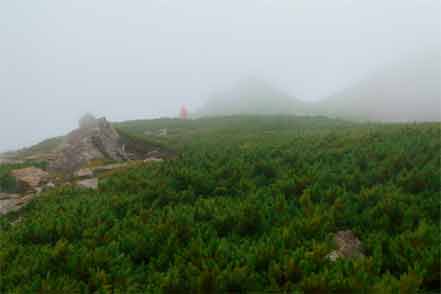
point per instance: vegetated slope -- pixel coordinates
(244, 208)
(181, 133)
(252, 96)
(409, 91)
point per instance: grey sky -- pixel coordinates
(141, 59)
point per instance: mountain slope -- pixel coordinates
(244, 208)
(252, 96)
(409, 91)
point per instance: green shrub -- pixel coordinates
(251, 204)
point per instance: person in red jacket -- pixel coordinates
(184, 112)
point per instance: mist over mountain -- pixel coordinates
(406, 91)
(252, 96)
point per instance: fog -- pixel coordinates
(144, 59)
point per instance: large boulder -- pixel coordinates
(94, 139)
(30, 178)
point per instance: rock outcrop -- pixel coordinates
(94, 139)
(87, 121)
(348, 246)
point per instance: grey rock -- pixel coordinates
(348, 246)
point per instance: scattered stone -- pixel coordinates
(162, 132)
(84, 173)
(348, 246)
(14, 202)
(153, 159)
(30, 178)
(50, 185)
(88, 183)
(333, 256)
(159, 132)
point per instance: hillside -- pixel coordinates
(407, 91)
(252, 96)
(250, 204)
(181, 133)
